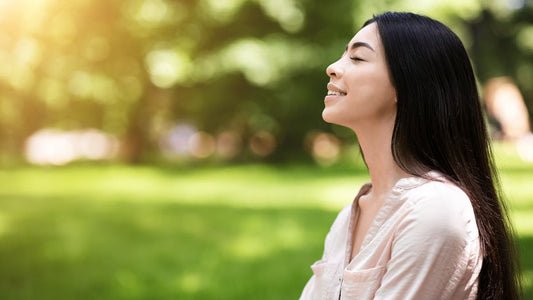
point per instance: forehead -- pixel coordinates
(368, 34)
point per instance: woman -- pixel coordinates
(429, 225)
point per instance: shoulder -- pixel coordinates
(439, 195)
(440, 208)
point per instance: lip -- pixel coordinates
(335, 88)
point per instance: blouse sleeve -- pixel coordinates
(433, 251)
(307, 291)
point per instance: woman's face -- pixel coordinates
(360, 92)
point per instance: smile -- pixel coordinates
(335, 93)
(334, 90)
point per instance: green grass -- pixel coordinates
(237, 232)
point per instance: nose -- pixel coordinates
(334, 70)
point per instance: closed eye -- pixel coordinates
(356, 58)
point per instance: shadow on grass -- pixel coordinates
(68, 249)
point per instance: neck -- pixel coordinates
(375, 142)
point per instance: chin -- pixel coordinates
(326, 117)
(329, 118)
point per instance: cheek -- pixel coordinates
(372, 93)
(371, 86)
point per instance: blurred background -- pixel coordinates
(174, 149)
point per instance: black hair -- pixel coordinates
(440, 126)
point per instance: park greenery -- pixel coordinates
(245, 215)
(252, 69)
(234, 232)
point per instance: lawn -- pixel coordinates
(234, 232)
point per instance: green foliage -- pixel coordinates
(135, 68)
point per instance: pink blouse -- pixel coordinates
(422, 244)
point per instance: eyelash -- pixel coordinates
(356, 59)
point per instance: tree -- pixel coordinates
(135, 68)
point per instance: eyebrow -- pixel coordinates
(360, 44)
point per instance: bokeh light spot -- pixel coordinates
(229, 144)
(167, 67)
(54, 147)
(202, 144)
(324, 147)
(263, 143)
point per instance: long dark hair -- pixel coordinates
(440, 126)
